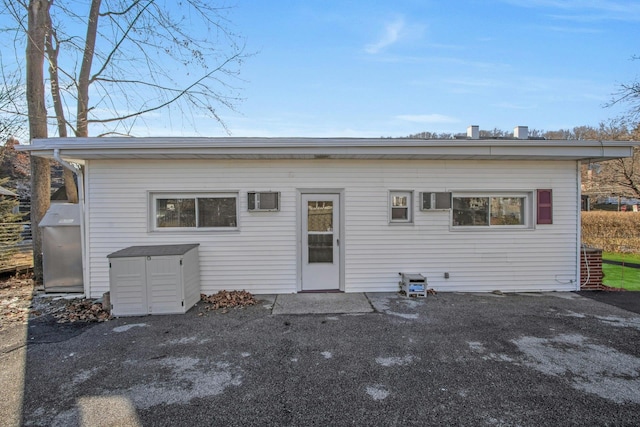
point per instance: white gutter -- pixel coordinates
(78, 172)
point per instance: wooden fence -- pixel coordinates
(16, 248)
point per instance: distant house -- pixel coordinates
(285, 215)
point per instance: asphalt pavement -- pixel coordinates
(449, 359)
(623, 299)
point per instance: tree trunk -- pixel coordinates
(40, 168)
(52, 50)
(82, 127)
(40, 199)
(70, 186)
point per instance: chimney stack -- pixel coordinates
(521, 132)
(473, 132)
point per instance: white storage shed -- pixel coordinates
(158, 279)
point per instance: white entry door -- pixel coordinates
(320, 242)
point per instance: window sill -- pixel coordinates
(479, 228)
(194, 230)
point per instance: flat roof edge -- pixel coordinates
(190, 147)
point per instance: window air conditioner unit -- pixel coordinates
(434, 201)
(264, 201)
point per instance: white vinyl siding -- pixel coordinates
(261, 255)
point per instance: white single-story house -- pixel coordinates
(286, 215)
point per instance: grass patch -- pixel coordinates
(614, 256)
(617, 276)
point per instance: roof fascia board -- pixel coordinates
(289, 148)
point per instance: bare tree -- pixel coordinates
(38, 11)
(558, 134)
(11, 99)
(618, 177)
(493, 133)
(628, 93)
(623, 175)
(137, 57)
(134, 57)
(52, 50)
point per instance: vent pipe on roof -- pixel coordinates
(521, 132)
(473, 132)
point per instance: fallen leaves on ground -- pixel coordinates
(228, 299)
(15, 299)
(82, 310)
(18, 302)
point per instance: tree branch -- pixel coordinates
(181, 93)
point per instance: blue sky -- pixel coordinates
(350, 68)
(368, 69)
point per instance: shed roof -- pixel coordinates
(80, 149)
(154, 250)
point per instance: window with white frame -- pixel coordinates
(194, 211)
(400, 205)
(492, 210)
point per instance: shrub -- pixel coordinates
(612, 231)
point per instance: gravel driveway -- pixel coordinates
(449, 359)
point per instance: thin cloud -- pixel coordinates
(428, 118)
(392, 33)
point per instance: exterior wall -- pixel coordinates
(262, 255)
(591, 270)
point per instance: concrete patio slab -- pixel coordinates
(321, 303)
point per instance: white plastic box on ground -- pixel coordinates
(413, 285)
(162, 279)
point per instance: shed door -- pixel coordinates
(320, 242)
(128, 286)
(164, 285)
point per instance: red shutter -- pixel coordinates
(545, 211)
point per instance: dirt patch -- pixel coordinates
(20, 302)
(16, 294)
